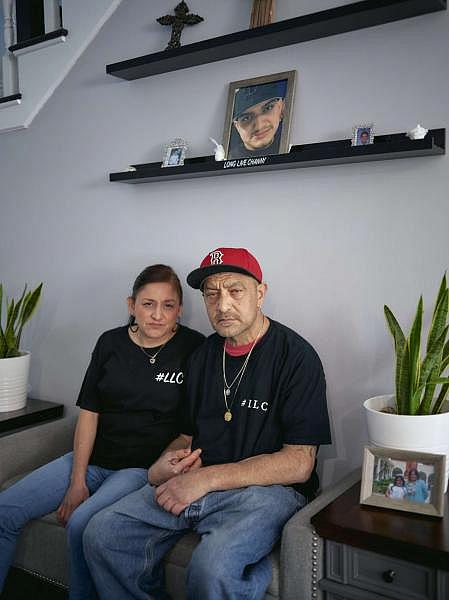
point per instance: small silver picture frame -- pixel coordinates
(174, 153)
(363, 135)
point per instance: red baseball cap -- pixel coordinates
(224, 260)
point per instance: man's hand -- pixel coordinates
(179, 492)
(75, 495)
(172, 463)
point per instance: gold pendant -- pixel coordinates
(228, 415)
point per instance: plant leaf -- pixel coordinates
(30, 305)
(3, 346)
(399, 346)
(445, 358)
(430, 370)
(439, 317)
(9, 330)
(403, 398)
(11, 327)
(433, 382)
(441, 398)
(414, 344)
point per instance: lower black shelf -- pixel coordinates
(35, 411)
(385, 147)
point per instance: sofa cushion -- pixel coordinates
(42, 548)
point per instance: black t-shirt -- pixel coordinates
(139, 403)
(281, 400)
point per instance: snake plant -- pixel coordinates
(421, 387)
(17, 313)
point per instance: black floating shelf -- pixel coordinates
(11, 98)
(350, 17)
(39, 39)
(35, 411)
(385, 147)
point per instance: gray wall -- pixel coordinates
(336, 243)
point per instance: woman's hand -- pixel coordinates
(172, 463)
(75, 495)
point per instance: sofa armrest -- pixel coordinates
(30, 448)
(301, 562)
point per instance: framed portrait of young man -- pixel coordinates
(363, 135)
(258, 115)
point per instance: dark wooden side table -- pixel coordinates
(36, 411)
(375, 554)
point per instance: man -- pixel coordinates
(364, 138)
(257, 412)
(257, 120)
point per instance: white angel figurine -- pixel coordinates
(219, 150)
(418, 133)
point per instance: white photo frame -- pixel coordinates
(174, 153)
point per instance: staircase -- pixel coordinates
(31, 69)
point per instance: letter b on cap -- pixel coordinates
(216, 257)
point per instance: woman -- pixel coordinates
(130, 405)
(416, 488)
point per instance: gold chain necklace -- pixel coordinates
(227, 387)
(152, 357)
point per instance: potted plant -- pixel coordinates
(416, 417)
(14, 362)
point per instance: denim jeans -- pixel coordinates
(42, 491)
(125, 543)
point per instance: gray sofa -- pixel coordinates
(297, 561)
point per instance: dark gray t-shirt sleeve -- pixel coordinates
(303, 403)
(89, 397)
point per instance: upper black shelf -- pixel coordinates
(350, 17)
(385, 147)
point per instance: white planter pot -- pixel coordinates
(14, 382)
(419, 433)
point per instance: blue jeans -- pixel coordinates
(42, 491)
(125, 543)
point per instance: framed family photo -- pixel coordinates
(403, 480)
(363, 135)
(258, 115)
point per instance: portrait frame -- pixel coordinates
(174, 153)
(357, 131)
(372, 493)
(232, 142)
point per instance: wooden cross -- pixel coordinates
(262, 13)
(178, 22)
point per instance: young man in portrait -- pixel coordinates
(257, 120)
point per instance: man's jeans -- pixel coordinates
(42, 491)
(125, 543)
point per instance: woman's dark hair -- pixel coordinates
(399, 477)
(415, 471)
(155, 274)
